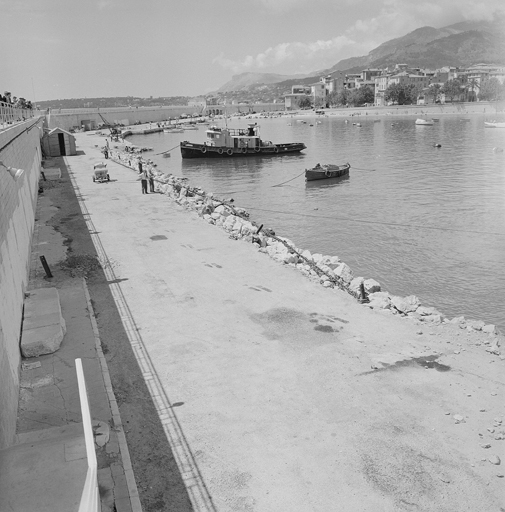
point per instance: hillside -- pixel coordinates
(245, 80)
(460, 44)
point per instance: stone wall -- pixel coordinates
(19, 148)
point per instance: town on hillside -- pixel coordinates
(401, 85)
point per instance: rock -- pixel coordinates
(355, 285)
(328, 284)
(372, 286)
(458, 419)
(494, 459)
(316, 258)
(306, 254)
(379, 300)
(494, 349)
(460, 320)
(291, 258)
(334, 262)
(344, 272)
(489, 328)
(432, 319)
(229, 222)
(476, 325)
(425, 311)
(405, 304)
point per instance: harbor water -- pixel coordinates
(420, 219)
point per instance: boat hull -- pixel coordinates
(192, 150)
(327, 172)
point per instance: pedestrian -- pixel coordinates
(143, 178)
(151, 180)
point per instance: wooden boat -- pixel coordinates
(228, 142)
(494, 125)
(425, 122)
(322, 172)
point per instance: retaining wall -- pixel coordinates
(19, 148)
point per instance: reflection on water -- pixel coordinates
(418, 218)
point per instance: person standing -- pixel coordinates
(143, 178)
(151, 180)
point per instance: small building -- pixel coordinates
(58, 142)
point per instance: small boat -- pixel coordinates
(233, 142)
(190, 127)
(435, 119)
(166, 155)
(494, 124)
(424, 122)
(323, 172)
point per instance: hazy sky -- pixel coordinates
(87, 48)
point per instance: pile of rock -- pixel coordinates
(329, 271)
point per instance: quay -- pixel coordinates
(240, 384)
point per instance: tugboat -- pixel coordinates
(232, 142)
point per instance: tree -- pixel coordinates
(470, 89)
(416, 90)
(304, 102)
(491, 90)
(434, 91)
(343, 96)
(332, 98)
(452, 88)
(398, 93)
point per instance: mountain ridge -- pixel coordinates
(460, 44)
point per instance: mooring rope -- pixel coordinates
(279, 184)
(168, 150)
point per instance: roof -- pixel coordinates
(60, 130)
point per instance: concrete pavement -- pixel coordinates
(263, 379)
(46, 468)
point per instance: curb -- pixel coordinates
(123, 446)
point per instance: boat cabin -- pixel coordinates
(234, 137)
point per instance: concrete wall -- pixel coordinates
(73, 118)
(19, 148)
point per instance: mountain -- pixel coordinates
(245, 80)
(461, 44)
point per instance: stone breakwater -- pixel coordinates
(329, 271)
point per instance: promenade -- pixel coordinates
(274, 393)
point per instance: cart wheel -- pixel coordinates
(108, 177)
(93, 178)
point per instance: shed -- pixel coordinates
(58, 142)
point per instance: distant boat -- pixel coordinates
(424, 122)
(190, 127)
(322, 172)
(493, 124)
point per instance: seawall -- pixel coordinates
(19, 148)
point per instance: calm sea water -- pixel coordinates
(420, 220)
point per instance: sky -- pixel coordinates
(55, 49)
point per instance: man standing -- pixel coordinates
(151, 180)
(143, 178)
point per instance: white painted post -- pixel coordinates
(90, 498)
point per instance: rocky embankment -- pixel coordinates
(329, 271)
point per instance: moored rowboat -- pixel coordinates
(322, 172)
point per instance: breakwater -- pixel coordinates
(327, 270)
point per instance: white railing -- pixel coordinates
(90, 498)
(10, 115)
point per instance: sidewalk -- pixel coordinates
(49, 401)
